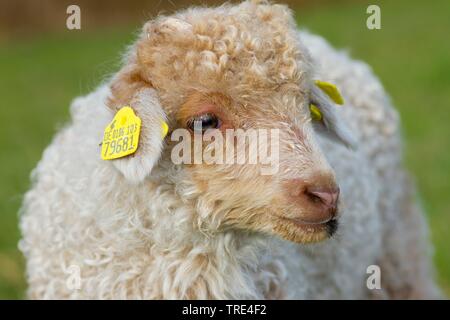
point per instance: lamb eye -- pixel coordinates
(203, 122)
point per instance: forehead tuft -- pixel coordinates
(245, 49)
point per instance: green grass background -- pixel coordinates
(411, 54)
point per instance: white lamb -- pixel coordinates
(144, 227)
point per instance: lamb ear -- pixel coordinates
(333, 125)
(128, 88)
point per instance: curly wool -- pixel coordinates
(142, 241)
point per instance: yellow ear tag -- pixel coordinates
(315, 112)
(331, 90)
(164, 128)
(121, 137)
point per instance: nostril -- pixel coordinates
(328, 197)
(314, 197)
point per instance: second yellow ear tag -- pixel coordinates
(121, 137)
(331, 90)
(315, 112)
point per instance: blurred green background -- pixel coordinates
(43, 67)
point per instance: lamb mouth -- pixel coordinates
(330, 226)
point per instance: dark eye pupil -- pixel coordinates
(206, 121)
